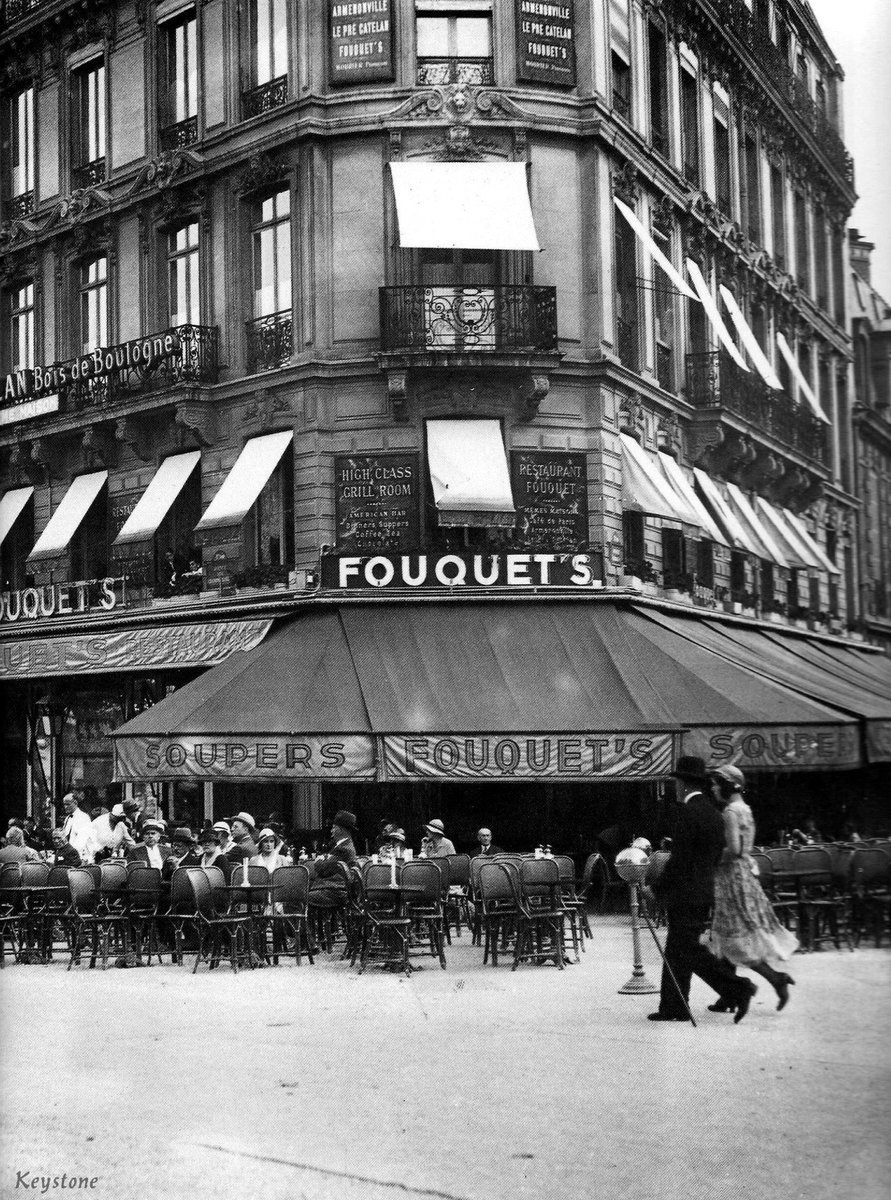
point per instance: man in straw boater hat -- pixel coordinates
(686, 889)
(243, 845)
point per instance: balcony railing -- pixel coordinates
(21, 205)
(714, 381)
(89, 174)
(269, 341)
(195, 359)
(265, 98)
(14, 10)
(183, 133)
(443, 318)
(436, 72)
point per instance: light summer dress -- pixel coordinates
(744, 927)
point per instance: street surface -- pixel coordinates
(467, 1084)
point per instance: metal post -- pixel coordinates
(638, 984)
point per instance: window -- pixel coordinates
(793, 595)
(767, 585)
(752, 180)
(179, 82)
(88, 125)
(269, 57)
(273, 517)
(663, 312)
(758, 321)
(697, 328)
(802, 248)
(16, 547)
(625, 246)
(269, 334)
(674, 559)
(21, 327)
(658, 87)
(19, 153)
(621, 86)
(821, 260)
(690, 127)
(722, 166)
(89, 546)
(761, 12)
(838, 275)
(633, 543)
(454, 47)
(93, 304)
(183, 276)
(459, 297)
(778, 215)
(738, 576)
(705, 562)
(620, 52)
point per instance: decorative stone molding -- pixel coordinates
(126, 432)
(662, 216)
(196, 421)
(631, 419)
(397, 392)
(262, 172)
(164, 170)
(625, 184)
(537, 387)
(458, 102)
(97, 448)
(263, 405)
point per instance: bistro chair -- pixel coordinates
(217, 880)
(823, 906)
(143, 899)
(445, 877)
(88, 919)
(182, 914)
(570, 901)
(457, 907)
(423, 882)
(12, 914)
(870, 893)
(385, 929)
(329, 917)
(213, 929)
(541, 915)
(497, 910)
(289, 920)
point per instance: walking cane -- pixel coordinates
(646, 917)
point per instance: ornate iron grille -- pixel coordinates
(475, 72)
(195, 361)
(14, 10)
(427, 319)
(183, 133)
(270, 342)
(89, 174)
(21, 206)
(264, 98)
(715, 381)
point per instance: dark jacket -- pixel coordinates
(66, 856)
(191, 859)
(689, 874)
(246, 848)
(488, 852)
(327, 871)
(139, 854)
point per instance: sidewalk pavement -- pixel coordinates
(465, 1084)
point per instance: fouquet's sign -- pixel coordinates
(31, 383)
(462, 571)
(360, 38)
(62, 599)
(376, 501)
(582, 756)
(546, 43)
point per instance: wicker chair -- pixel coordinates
(87, 918)
(212, 928)
(424, 906)
(385, 929)
(143, 898)
(497, 908)
(289, 921)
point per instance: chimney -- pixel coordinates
(861, 252)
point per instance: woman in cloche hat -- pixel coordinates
(744, 928)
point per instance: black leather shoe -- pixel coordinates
(742, 1006)
(783, 991)
(661, 1016)
(723, 1006)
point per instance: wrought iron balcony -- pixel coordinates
(269, 342)
(21, 205)
(435, 72)
(265, 98)
(714, 381)
(448, 318)
(183, 133)
(89, 174)
(14, 10)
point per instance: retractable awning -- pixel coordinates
(806, 390)
(788, 541)
(684, 489)
(645, 487)
(747, 337)
(463, 205)
(65, 521)
(11, 508)
(724, 514)
(711, 311)
(244, 483)
(816, 549)
(159, 497)
(469, 473)
(652, 249)
(755, 527)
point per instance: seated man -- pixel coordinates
(436, 844)
(15, 849)
(65, 854)
(149, 850)
(182, 852)
(328, 886)
(486, 846)
(243, 844)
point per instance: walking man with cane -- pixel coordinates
(686, 889)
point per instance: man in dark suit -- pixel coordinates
(486, 846)
(686, 889)
(150, 851)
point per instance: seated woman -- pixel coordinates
(211, 854)
(392, 843)
(268, 854)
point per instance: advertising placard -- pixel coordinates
(360, 41)
(551, 497)
(778, 747)
(546, 43)
(377, 502)
(584, 570)
(269, 756)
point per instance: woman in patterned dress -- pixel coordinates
(744, 927)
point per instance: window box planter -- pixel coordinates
(632, 581)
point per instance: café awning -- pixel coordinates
(819, 554)
(463, 205)
(711, 311)
(754, 526)
(159, 497)
(804, 387)
(469, 473)
(724, 514)
(645, 487)
(65, 521)
(684, 489)
(795, 553)
(747, 336)
(651, 248)
(11, 508)
(244, 483)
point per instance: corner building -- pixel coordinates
(469, 383)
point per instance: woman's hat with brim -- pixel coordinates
(209, 835)
(222, 827)
(731, 775)
(266, 833)
(436, 828)
(184, 835)
(392, 833)
(346, 820)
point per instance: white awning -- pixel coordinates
(822, 558)
(724, 514)
(469, 473)
(645, 487)
(786, 538)
(159, 497)
(11, 507)
(244, 483)
(711, 310)
(801, 379)
(684, 489)
(650, 247)
(755, 526)
(464, 206)
(751, 343)
(65, 521)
